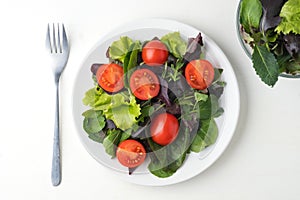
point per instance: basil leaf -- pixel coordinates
(265, 65)
(250, 14)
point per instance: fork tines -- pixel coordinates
(53, 40)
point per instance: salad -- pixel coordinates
(155, 99)
(272, 29)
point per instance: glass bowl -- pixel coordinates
(247, 48)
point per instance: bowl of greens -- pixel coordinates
(269, 32)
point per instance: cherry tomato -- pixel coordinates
(199, 74)
(131, 153)
(144, 84)
(155, 53)
(110, 77)
(164, 128)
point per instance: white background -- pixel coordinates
(262, 161)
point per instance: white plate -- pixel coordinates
(230, 101)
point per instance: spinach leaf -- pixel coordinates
(265, 65)
(250, 14)
(165, 161)
(111, 141)
(206, 135)
(210, 108)
(93, 121)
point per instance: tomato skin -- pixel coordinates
(199, 74)
(131, 153)
(110, 77)
(144, 84)
(164, 129)
(155, 53)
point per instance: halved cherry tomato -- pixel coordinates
(144, 84)
(199, 74)
(131, 153)
(164, 128)
(110, 77)
(155, 53)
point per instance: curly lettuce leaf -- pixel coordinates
(290, 18)
(119, 48)
(121, 108)
(176, 45)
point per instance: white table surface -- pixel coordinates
(262, 161)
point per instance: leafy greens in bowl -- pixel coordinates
(269, 31)
(133, 122)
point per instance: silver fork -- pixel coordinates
(58, 48)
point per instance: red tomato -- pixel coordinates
(144, 84)
(199, 74)
(110, 77)
(131, 153)
(164, 128)
(155, 53)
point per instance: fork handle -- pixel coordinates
(56, 165)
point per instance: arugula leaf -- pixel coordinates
(206, 135)
(250, 14)
(120, 48)
(290, 15)
(265, 65)
(176, 45)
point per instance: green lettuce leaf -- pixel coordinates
(265, 65)
(176, 45)
(290, 17)
(120, 48)
(250, 14)
(121, 108)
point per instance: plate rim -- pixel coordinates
(160, 23)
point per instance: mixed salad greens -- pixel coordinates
(272, 28)
(156, 99)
